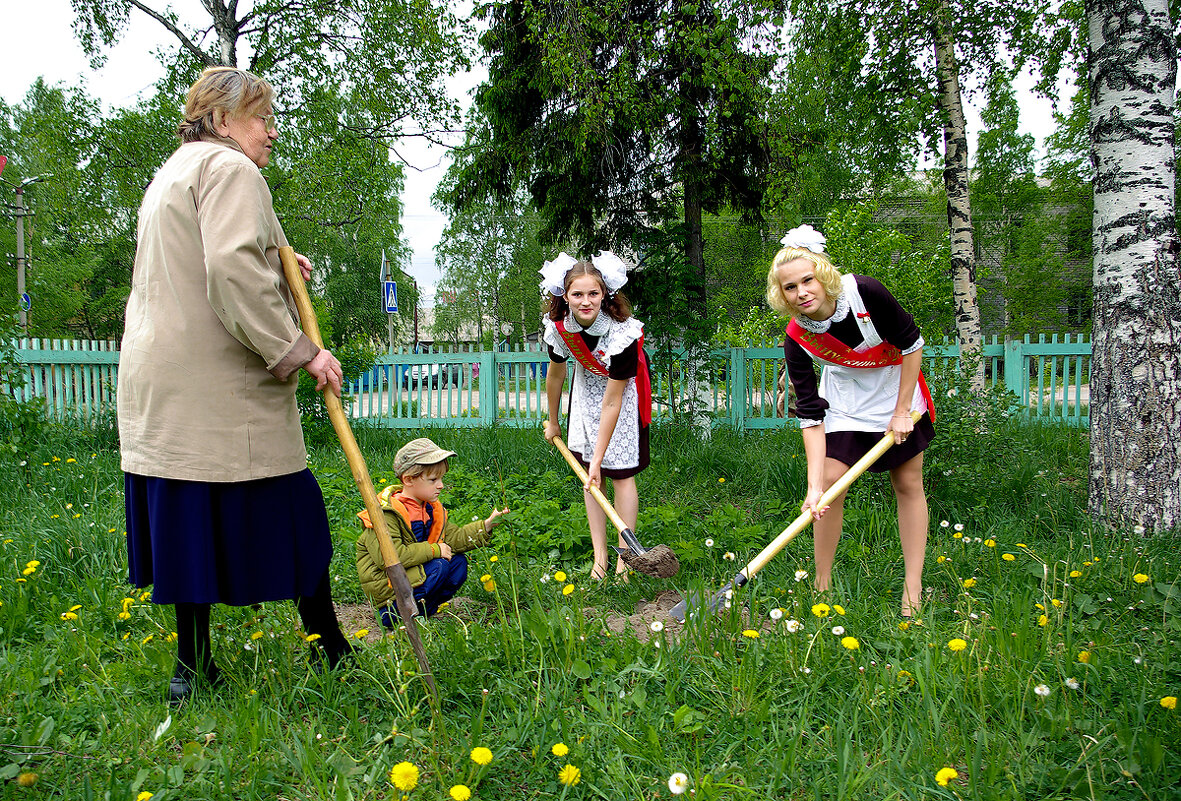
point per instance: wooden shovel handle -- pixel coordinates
(340, 423)
(595, 492)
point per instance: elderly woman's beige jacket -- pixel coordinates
(212, 347)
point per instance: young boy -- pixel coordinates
(430, 547)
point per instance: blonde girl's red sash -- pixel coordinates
(578, 348)
(831, 349)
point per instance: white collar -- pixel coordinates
(821, 326)
(595, 329)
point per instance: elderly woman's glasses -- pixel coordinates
(269, 120)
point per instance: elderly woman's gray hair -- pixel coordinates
(223, 90)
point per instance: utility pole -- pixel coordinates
(20, 214)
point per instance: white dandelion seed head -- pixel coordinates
(959, 526)
(792, 626)
(728, 556)
(678, 783)
(944, 524)
(838, 630)
(729, 604)
(805, 670)
(1139, 660)
(951, 393)
(1042, 690)
(729, 594)
(656, 626)
(709, 542)
(801, 575)
(1138, 531)
(1072, 683)
(776, 613)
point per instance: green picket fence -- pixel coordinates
(460, 386)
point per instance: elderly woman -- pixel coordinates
(221, 507)
(871, 353)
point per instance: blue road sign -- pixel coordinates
(26, 301)
(390, 293)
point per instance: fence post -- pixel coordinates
(489, 387)
(1014, 368)
(736, 388)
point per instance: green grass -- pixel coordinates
(782, 715)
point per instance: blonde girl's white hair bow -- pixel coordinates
(612, 268)
(806, 237)
(553, 274)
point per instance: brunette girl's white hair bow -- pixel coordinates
(806, 237)
(553, 274)
(612, 268)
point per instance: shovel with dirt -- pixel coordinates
(694, 604)
(660, 561)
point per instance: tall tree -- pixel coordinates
(923, 50)
(621, 117)
(1136, 357)
(354, 77)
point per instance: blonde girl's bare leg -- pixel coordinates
(826, 532)
(913, 520)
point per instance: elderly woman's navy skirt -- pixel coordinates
(232, 543)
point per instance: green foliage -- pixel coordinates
(914, 274)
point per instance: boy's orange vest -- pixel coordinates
(388, 498)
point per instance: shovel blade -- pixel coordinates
(693, 604)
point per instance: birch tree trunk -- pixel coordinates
(959, 207)
(1136, 364)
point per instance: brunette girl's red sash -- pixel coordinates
(831, 349)
(578, 348)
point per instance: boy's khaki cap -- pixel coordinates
(419, 451)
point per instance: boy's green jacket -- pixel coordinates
(412, 554)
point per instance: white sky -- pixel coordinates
(39, 41)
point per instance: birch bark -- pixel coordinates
(959, 207)
(1135, 467)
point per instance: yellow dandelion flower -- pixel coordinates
(1075, 573)
(461, 792)
(171, 637)
(71, 460)
(957, 644)
(28, 571)
(147, 639)
(903, 626)
(258, 635)
(1008, 557)
(27, 779)
(940, 559)
(820, 610)
(959, 535)
(312, 637)
(751, 633)
(990, 543)
(945, 775)
(1140, 578)
(1087, 564)
(481, 755)
(360, 634)
(35, 563)
(69, 616)
(1021, 545)
(1039, 606)
(1084, 657)
(489, 586)
(906, 676)
(560, 576)
(840, 610)
(1169, 702)
(75, 607)
(569, 588)
(559, 750)
(493, 558)
(404, 776)
(570, 775)
(1042, 620)
(486, 577)
(850, 643)
(969, 583)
